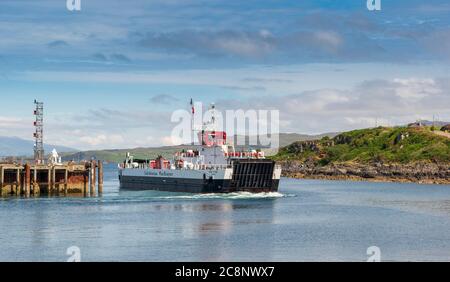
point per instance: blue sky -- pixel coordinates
(112, 74)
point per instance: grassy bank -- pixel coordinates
(399, 154)
(382, 144)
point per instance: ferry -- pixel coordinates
(213, 166)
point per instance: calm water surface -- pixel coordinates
(309, 220)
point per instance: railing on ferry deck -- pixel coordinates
(196, 167)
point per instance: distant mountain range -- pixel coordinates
(18, 147)
(425, 122)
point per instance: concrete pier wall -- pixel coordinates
(53, 180)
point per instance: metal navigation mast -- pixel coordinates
(39, 134)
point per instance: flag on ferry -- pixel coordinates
(192, 105)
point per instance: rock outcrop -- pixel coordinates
(419, 172)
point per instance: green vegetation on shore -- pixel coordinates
(381, 144)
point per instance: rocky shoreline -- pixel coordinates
(420, 172)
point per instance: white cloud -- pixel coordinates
(329, 38)
(9, 122)
(383, 102)
(14, 126)
(416, 89)
(170, 140)
(105, 140)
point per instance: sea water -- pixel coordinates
(307, 220)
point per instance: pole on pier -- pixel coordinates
(54, 180)
(2, 178)
(18, 184)
(49, 181)
(85, 180)
(100, 177)
(35, 184)
(92, 176)
(27, 179)
(66, 179)
(94, 168)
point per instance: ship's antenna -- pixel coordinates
(192, 122)
(211, 124)
(213, 116)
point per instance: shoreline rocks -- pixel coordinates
(420, 172)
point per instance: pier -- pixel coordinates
(78, 179)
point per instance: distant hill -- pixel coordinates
(118, 155)
(286, 138)
(425, 122)
(382, 144)
(18, 147)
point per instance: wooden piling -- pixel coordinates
(94, 168)
(54, 180)
(66, 180)
(35, 183)
(49, 181)
(100, 177)
(27, 180)
(2, 177)
(18, 184)
(92, 178)
(85, 181)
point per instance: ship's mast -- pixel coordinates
(213, 115)
(192, 122)
(211, 125)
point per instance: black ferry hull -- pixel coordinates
(188, 185)
(254, 176)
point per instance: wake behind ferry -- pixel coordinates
(214, 166)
